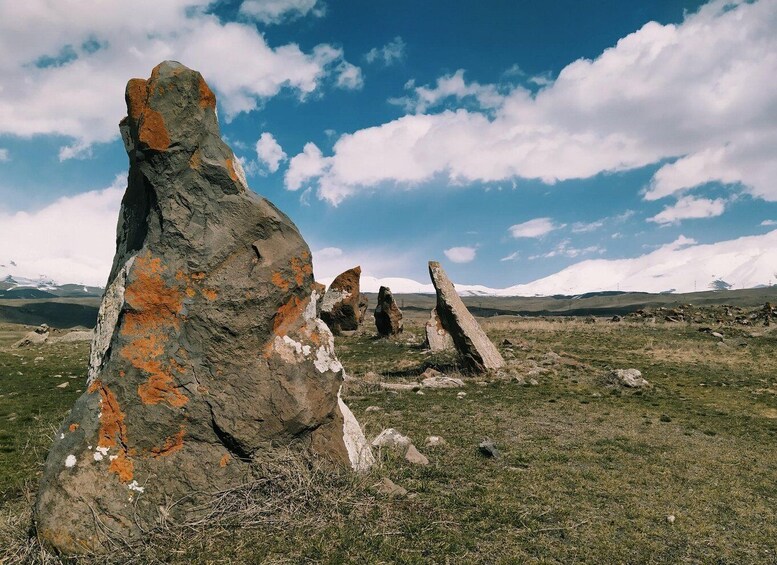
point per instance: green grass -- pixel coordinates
(588, 473)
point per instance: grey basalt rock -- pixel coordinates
(472, 343)
(341, 308)
(388, 316)
(207, 354)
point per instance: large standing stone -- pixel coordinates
(207, 352)
(470, 340)
(436, 337)
(340, 308)
(388, 316)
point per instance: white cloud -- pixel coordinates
(303, 166)
(4, 155)
(72, 240)
(269, 152)
(377, 261)
(769, 223)
(686, 91)
(449, 87)
(349, 76)
(533, 228)
(512, 257)
(392, 52)
(565, 249)
(277, 11)
(65, 65)
(461, 254)
(583, 227)
(689, 207)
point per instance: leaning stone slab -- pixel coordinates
(437, 338)
(476, 350)
(208, 354)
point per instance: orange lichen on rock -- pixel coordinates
(171, 445)
(210, 294)
(137, 97)
(153, 131)
(288, 314)
(123, 467)
(73, 427)
(301, 268)
(113, 431)
(231, 169)
(155, 314)
(278, 280)
(195, 161)
(207, 98)
(224, 460)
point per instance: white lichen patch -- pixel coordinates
(240, 172)
(310, 310)
(108, 315)
(70, 461)
(99, 453)
(359, 452)
(326, 361)
(61, 436)
(332, 298)
(136, 487)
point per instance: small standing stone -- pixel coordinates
(388, 316)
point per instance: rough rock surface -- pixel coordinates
(388, 316)
(340, 307)
(207, 353)
(364, 303)
(631, 378)
(437, 339)
(472, 343)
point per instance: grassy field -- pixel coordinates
(589, 472)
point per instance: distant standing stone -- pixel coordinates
(471, 341)
(436, 337)
(364, 303)
(388, 316)
(340, 309)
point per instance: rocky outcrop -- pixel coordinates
(388, 316)
(476, 350)
(340, 309)
(207, 354)
(437, 339)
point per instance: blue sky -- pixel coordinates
(508, 139)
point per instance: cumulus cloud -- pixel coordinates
(450, 87)
(278, 11)
(768, 223)
(65, 65)
(375, 261)
(683, 93)
(392, 52)
(269, 152)
(303, 166)
(4, 155)
(460, 254)
(533, 228)
(689, 207)
(72, 240)
(349, 76)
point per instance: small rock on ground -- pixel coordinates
(415, 457)
(390, 488)
(391, 438)
(442, 382)
(488, 449)
(434, 441)
(631, 378)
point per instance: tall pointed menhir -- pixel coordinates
(208, 352)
